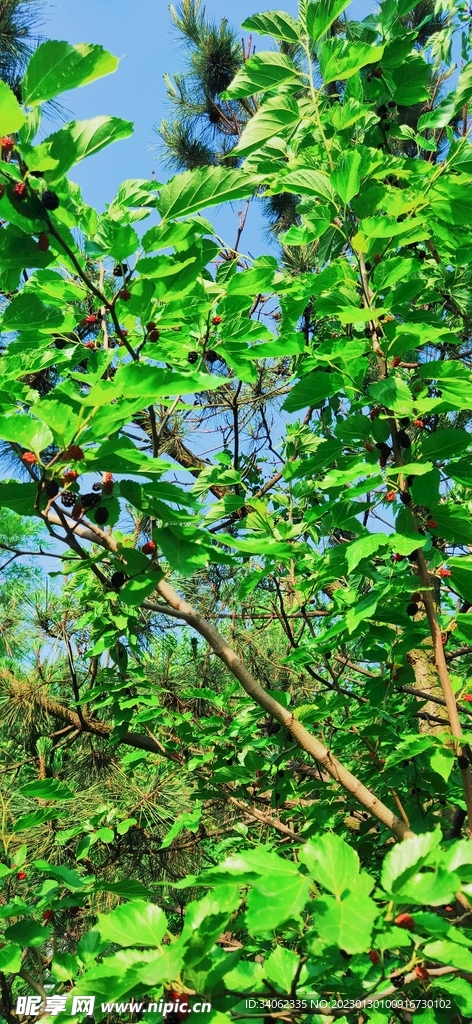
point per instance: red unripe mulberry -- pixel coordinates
(73, 454)
(405, 921)
(19, 190)
(47, 915)
(390, 495)
(444, 573)
(374, 957)
(149, 548)
(43, 242)
(396, 361)
(108, 483)
(217, 320)
(29, 458)
(21, 876)
(432, 524)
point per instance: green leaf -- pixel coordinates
(18, 250)
(124, 826)
(461, 575)
(333, 863)
(27, 933)
(312, 390)
(120, 240)
(56, 67)
(11, 115)
(64, 966)
(197, 190)
(133, 924)
(47, 789)
(189, 820)
(127, 889)
(90, 946)
(406, 858)
(29, 433)
(80, 139)
(274, 23)
(446, 444)
(26, 311)
(69, 878)
(261, 73)
(204, 922)
(276, 113)
(321, 14)
(444, 112)
(136, 591)
(434, 888)
(363, 548)
(182, 550)
(28, 821)
(137, 380)
(346, 177)
(347, 924)
(11, 957)
(342, 58)
(394, 393)
(364, 609)
(449, 953)
(281, 967)
(411, 80)
(106, 835)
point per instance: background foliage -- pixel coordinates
(236, 531)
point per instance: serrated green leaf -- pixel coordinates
(11, 115)
(321, 14)
(26, 431)
(197, 190)
(262, 73)
(278, 24)
(134, 924)
(56, 67)
(273, 116)
(27, 933)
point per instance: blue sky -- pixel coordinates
(141, 33)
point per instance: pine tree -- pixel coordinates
(19, 24)
(205, 128)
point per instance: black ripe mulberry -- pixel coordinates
(398, 981)
(192, 357)
(50, 200)
(52, 488)
(101, 516)
(68, 499)
(404, 439)
(412, 608)
(90, 500)
(117, 580)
